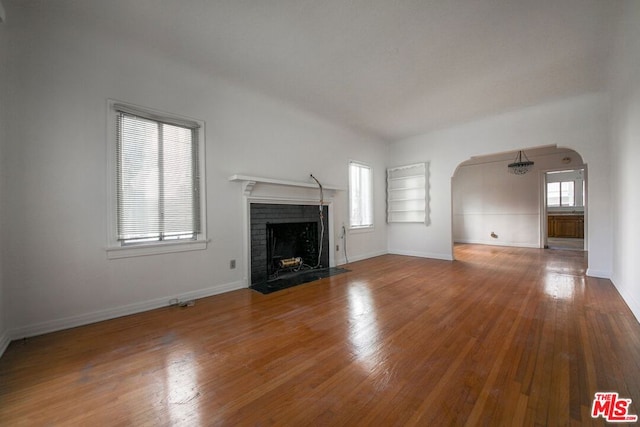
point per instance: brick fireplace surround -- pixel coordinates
(262, 214)
(298, 199)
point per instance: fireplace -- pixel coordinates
(291, 245)
(283, 232)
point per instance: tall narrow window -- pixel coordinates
(360, 195)
(157, 178)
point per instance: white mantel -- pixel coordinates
(249, 182)
(270, 190)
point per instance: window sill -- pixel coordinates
(116, 252)
(357, 230)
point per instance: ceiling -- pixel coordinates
(391, 68)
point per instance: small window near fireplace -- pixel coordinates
(360, 196)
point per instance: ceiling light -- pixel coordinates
(519, 166)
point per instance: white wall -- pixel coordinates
(487, 199)
(579, 123)
(56, 75)
(56, 270)
(625, 152)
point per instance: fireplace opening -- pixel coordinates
(281, 233)
(285, 246)
(291, 247)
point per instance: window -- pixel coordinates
(360, 196)
(158, 188)
(561, 194)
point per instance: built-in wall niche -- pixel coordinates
(407, 194)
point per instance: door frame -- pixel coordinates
(544, 221)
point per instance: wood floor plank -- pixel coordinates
(501, 336)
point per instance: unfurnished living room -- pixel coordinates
(335, 212)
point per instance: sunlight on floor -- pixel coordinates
(363, 326)
(181, 391)
(562, 286)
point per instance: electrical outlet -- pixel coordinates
(337, 248)
(232, 264)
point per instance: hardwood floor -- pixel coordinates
(502, 336)
(565, 243)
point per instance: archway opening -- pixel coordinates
(490, 206)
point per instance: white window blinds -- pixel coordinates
(157, 178)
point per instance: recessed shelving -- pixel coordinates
(407, 193)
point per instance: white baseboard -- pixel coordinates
(631, 301)
(360, 257)
(498, 243)
(4, 342)
(601, 274)
(432, 255)
(364, 256)
(112, 313)
(340, 261)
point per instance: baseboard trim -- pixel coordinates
(495, 243)
(361, 257)
(629, 299)
(600, 274)
(4, 342)
(432, 255)
(112, 313)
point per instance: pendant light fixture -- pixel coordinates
(520, 166)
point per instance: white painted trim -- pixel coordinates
(542, 205)
(501, 243)
(544, 232)
(632, 303)
(156, 248)
(360, 230)
(371, 191)
(113, 248)
(5, 340)
(343, 261)
(289, 200)
(112, 313)
(250, 181)
(600, 274)
(445, 257)
(280, 200)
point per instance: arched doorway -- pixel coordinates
(493, 207)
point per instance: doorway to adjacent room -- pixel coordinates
(564, 209)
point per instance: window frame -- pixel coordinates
(118, 249)
(572, 203)
(366, 227)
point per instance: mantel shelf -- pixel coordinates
(250, 181)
